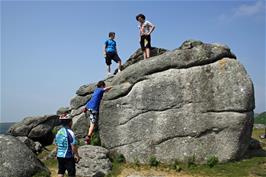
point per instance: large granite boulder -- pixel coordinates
(94, 162)
(195, 101)
(17, 160)
(83, 94)
(37, 128)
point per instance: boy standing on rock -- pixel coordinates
(145, 30)
(110, 53)
(93, 107)
(66, 147)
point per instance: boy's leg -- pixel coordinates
(117, 59)
(144, 54)
(109, 69)
(148, 52)
(93, 121)
(71, 167)
(92, 126)
(119, 66)
(108, 62)
(148, 46)
(61, 167)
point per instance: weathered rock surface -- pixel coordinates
(196, 100)
(36, 147)
(80, 125)
(37, 128)
(138, 56)
(77, 103)
(63, 110)
(94, 162)
(17, 160)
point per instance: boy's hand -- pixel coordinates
(107, 88)
(77, 159)
(104, 55)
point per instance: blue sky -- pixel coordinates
(50, 48)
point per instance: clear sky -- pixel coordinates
(50, 48)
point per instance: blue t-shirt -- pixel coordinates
(94, 102)
(64, 139)
(110, 46)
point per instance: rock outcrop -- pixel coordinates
(196, 100)
(94, 161)
(36, 128)
(17, 160)
(138, 56)
(77, 103)
(36, 147)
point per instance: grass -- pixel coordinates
(247, 167)
(49, 163)
(256, 134)
(255, 166)
(252, 166)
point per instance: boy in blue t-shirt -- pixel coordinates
(66, 147)
(93, 107)
(110, 53)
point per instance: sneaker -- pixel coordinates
(119, 70)
(85, 110)
(263, 136)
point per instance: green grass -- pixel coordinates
(42, 174)
(46, 152)
(255, 166)
(247, 167)
(116, 169)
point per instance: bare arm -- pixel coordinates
(107, 88)
(75, 152)
(56, 149)
(152, 29)
(104, 50)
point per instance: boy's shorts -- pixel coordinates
(111, 56)
(93, 115)
(145, 42)
(66, 164)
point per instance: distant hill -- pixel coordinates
(5, 126)
(260, 118)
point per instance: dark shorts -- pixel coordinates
(93, 115)
(111, 56)
(66, 164)
(145, 42)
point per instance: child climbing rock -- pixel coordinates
(92, 107)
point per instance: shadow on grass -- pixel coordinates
(256, 149)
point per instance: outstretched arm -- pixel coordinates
(107, 88)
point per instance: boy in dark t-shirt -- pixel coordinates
(110, 53)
